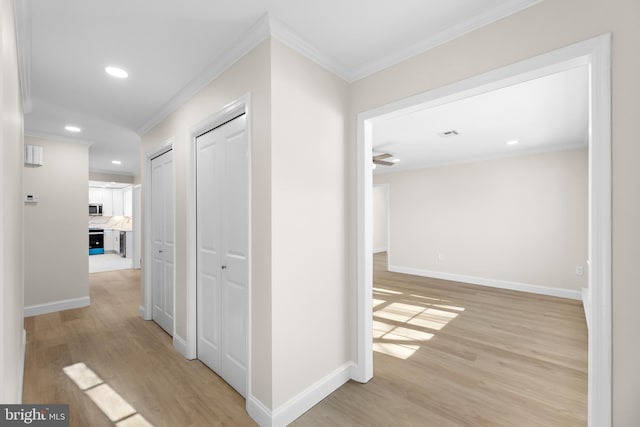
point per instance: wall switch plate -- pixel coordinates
(30, 198)
(579, 270)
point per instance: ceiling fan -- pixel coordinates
(379, 159)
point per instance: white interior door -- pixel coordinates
(162, 192)
(222, 236)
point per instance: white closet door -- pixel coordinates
(162, 191)
(222, 210)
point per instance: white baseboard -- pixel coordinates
(260, 413)
(23, 355)
(586, 303)
(180, 345)
(298, 405)
(52, 307)
(377, 251)
(494, 283)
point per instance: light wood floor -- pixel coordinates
(134, 357)
(475, 356)
(448, 354)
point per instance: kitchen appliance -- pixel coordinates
(123, 244)
(95, 209)
(96, 241)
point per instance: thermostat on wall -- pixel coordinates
(30, 198)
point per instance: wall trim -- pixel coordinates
(259, 412)
(492, 283)
(441, 38)
(23, 355)
(52, 307)
(301, 403)
(379, 250)
(586, 303)
(180, 345)
(259, 32)
(595, 53)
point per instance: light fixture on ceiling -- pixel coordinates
(72, 128)
(396, 160)
(449, 133)
(381, 159)
(116, 162)
(116, 72)
(513, 142)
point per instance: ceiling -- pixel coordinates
(172, 48)
(544, 114)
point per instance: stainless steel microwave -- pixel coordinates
(95, 209)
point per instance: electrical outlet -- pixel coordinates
(579, 270)
(441, 256)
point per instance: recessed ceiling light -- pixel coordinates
(395, 160)
(116, 162)
(116, 72)
(512, 142)
(71, 128)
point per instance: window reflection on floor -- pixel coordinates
(114, 406)
(403, 323)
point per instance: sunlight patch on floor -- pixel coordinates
(395, 350)
(421, 321)
(114, 406)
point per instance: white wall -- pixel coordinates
(310, 296)
(380, 217)
(55, 237)
(542, 28)
(520, 219)
(11, 247)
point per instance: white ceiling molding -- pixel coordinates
(268, 26)
(259, 32)
(57, 138)
(287, 36)
(443, 37)
(23, 34)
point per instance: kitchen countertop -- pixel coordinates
(117, 223)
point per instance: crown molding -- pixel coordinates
(443, 37)
(23, 35)
(287, 36)
(267, 26)
(55, 138)
(259, 32)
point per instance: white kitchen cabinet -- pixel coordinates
(118, 204)
(107, 202)
(127, 195)
(95, 195)
(108, 240)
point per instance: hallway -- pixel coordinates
(134, 357)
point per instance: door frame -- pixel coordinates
(146, 308)
(226, 113)
(594, 53)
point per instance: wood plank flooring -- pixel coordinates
(447, 354)
(452, 354)
(134, 357)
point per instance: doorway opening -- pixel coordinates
(594, 54)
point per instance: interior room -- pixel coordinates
(253, 290)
